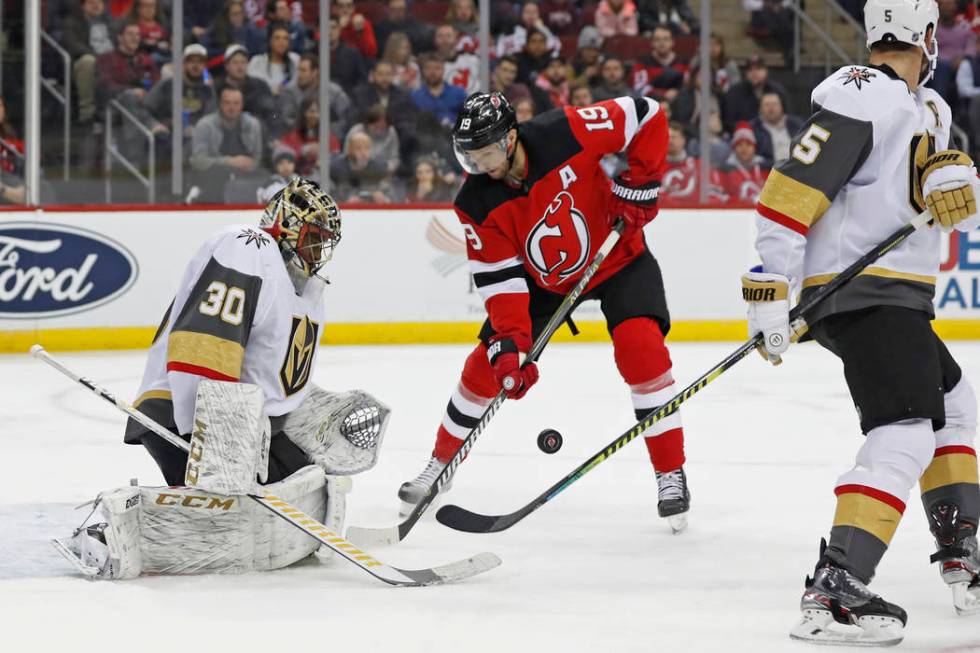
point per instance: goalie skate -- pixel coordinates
(838, 609)
(673, 498)
(412, 492)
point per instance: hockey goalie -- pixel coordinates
(229, 372)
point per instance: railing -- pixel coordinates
(112, 152)
(63, 97)
(832, 10)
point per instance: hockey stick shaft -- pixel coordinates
(557, 319)
(461, 519)
(278, 506)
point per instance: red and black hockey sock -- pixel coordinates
(475, 391)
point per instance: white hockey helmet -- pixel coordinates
(905, 21)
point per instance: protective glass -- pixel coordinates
(484, 159)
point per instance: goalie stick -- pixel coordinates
(367, 536)
(392, 575)
(461, 519)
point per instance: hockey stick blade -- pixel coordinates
(386, 535)
(448, 573)
(461, 519)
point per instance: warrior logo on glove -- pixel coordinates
(558, 245)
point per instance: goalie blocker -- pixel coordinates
(206, 526)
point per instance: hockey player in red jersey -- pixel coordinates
(535, 208)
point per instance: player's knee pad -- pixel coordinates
(961, 415)
(640, 352)
(893, 457)
(478, 376)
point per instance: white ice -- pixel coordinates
(594, 571)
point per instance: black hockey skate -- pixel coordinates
(957, 555)
(839, 609)
(673, 498)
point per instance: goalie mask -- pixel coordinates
(305, 222)
(905, 21)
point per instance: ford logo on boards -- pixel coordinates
(48, 270)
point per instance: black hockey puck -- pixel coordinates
(549, 441)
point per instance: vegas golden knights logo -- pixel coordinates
(296, 368)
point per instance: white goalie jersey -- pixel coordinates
(236, 316)
(851, 180)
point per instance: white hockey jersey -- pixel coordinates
(853, 179)
(236, 316)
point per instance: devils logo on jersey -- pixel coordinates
(558, 245)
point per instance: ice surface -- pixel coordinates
(595, 570)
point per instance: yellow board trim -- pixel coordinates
(949, 469)
(204, 350)
(793, 199)
(410, 333)
(873, 271)
(868, 514)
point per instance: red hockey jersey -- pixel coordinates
(550, 229)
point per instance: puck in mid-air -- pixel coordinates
(549, 440)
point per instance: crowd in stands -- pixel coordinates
(400, 72)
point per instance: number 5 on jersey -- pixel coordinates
(808, 149)
(224, 302)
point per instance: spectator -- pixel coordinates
(957, 41)
(357, 177)
(284, 167)
(612, 81)
(681, 181)
(305, 139)
(580, 96)
(513, 42)
(687, 105)
(399, 20)
(676, 14)
(355, 29)
(279, 12)
(524, 109)
(554, 81)
(232, 26)
(428, 185)
(661, 73)
(198, 96)
(585, 65)
(347, 66)
(225, 145)
(534, 57)
(384, 139)
(563, 17)
(723, 68)
(615, 17)
(11, 147)
(742, 100)
(306, 86)
(434, 95)
(745, 171)
(380, 89)
(398, 52)
(126, 72)
(198, 16)
(774, 130)
(462, 15)
(718, 148)
(504, 81)
(775, 20)
(258, 98)
(462, 68)
(87, 36)
(278, 66)
(968, 85)
(154, 35)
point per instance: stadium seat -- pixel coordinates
(628, 48)
(686, 46)
(432, 13)
(374, 10)
(569, 46)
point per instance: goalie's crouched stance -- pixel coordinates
(207, 525)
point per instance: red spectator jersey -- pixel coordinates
(650, 77)
(680, 183)
(549, 229)
(744, 183)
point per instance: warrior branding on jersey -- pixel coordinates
(551, 226)
(236, 317)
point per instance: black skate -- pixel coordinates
(673, 498)
(957, 555)
(839, 609)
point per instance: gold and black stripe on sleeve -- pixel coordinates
(825, 154)
(209, 335)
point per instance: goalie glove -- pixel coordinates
(947, 187)
(768, 312)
